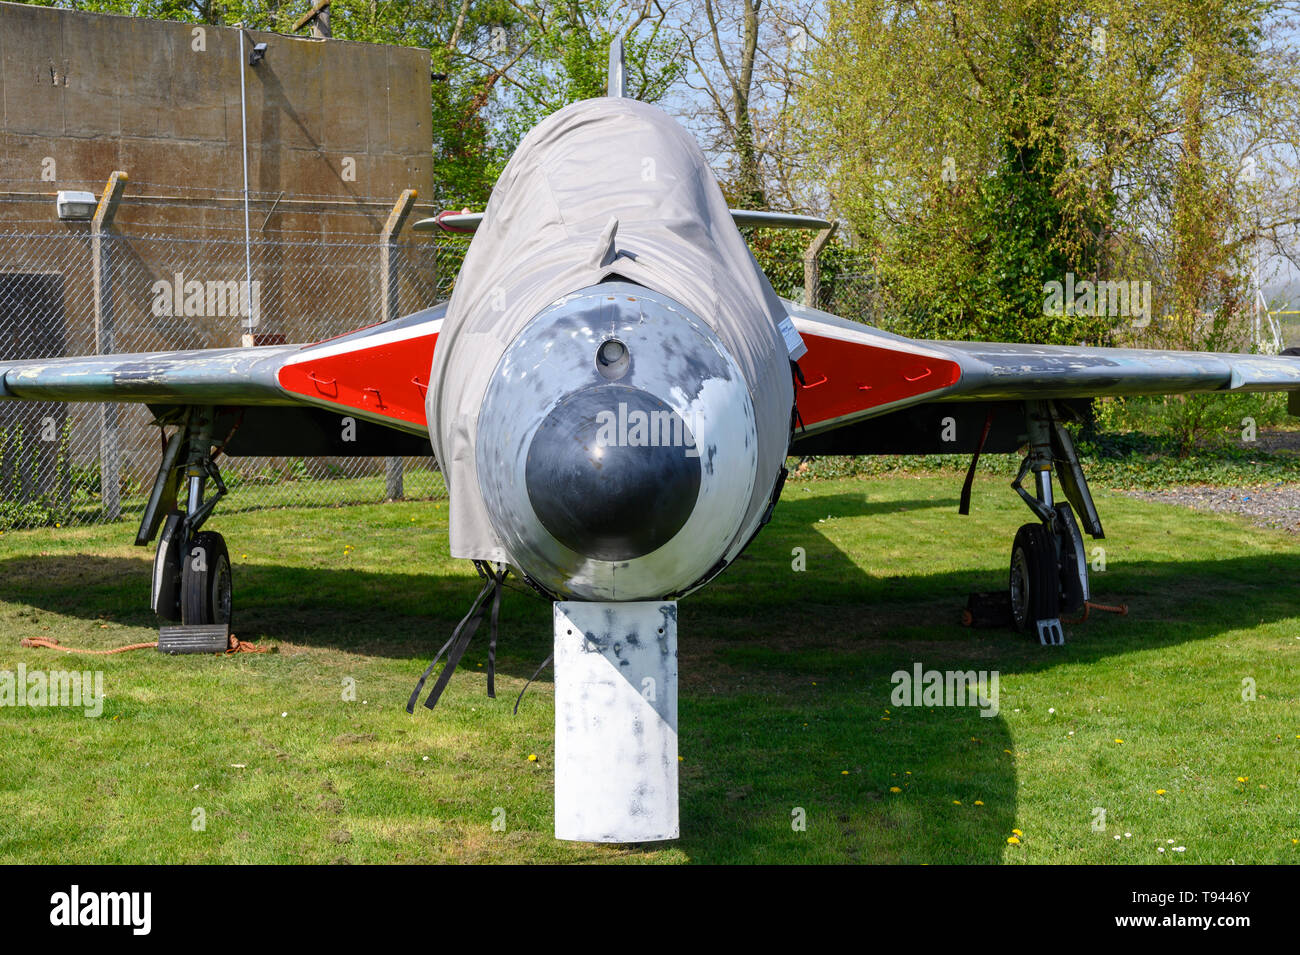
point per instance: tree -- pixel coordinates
(982, 149)
(747, 59)
(1222, 161)
(942, 130)
(558, 54)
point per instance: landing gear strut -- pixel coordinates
(1049, 568)
(192, 582)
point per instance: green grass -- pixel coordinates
(785, 690)
(1112, 460)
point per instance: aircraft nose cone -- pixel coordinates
(612, 472)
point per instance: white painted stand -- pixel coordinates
(616, 721)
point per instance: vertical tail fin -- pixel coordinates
(617, 82)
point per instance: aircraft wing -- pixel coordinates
(853, 372)
(379, 373)
(199, 376)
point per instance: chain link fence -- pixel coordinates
(176, 275)
(850, 291)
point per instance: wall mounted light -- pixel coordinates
(75, 205)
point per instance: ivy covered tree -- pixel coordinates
(939, 126)
(986, 150)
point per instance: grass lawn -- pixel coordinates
(785, 697)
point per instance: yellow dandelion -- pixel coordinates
(956, 802)
(1017, 832)
(1012, 840)
(1118, 740)
(1242, 779)
(979, 802)
(895, 789)
(1160, 792)
(532, 757)
(844, 772)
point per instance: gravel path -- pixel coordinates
(1268, 505)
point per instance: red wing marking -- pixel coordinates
(846, 378)
(380, 375)
(385, 375)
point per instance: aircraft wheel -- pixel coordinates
(1035, 581)
(206, 589)
(166, 591)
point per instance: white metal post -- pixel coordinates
(248, 255)
(616, 721)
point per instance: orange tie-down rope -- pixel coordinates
(1089, 607)
(236, 646)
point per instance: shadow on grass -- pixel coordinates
(787, 686)
(786, 678)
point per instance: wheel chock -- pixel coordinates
(194, 638)
(1050, 633)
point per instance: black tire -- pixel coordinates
(1035, 582)
(206, 587)
(166, 589)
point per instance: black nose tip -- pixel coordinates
(612, 473)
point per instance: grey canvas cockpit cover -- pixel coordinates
(588, 163)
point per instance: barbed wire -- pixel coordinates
(44, 187)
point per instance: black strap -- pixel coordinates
(963, 507)
(795, 417)
(461, 636)
(492, 635)
(455, 634)
(545, 664)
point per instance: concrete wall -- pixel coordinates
(161, 101)
(336, 131)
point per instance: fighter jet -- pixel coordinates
(612, 392)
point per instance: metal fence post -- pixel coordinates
(110, 459)
(391, 294)
(812, 268)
